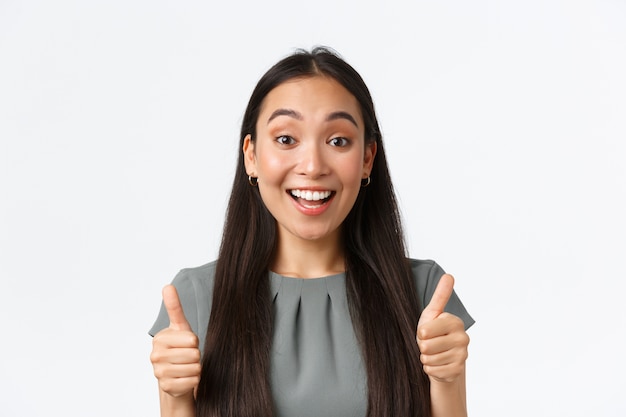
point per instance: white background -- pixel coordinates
(505, 124)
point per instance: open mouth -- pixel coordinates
(311, 199)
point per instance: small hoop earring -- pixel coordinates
(365, 182)
(253, 180)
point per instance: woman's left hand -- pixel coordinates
(441, 337)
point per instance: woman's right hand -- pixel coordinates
(175, 354)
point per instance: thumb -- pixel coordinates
(439, 300)
(174, 309)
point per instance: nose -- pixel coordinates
(312, 161)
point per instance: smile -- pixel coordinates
(309, 199)
(311, 195)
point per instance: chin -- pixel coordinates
(314, 235)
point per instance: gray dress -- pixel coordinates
(316, 363)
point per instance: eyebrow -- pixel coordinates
(284, 112)
(341, 115)
(294, 114)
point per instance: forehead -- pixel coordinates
(311, 95)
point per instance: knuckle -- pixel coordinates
(196, 369)
(454, 322)
(186, 338)
(463, 339)
(156, 356)
(460, 351)
(461, 356)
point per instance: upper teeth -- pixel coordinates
(310, 195)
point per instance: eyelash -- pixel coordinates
(287, 140)
(345, 141)
(280, 138)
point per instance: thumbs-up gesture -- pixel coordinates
(175, 355)
(441, 337)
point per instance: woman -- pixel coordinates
(313, 303)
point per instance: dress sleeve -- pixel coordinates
(427, 275)
(187, 295)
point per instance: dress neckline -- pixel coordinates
(275, 275)
(289, 287)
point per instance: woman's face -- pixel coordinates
(309, 156)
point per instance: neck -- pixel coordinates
(301, 258)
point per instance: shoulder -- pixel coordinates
(195, 289)
(196, 279)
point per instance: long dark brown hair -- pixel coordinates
(381, 292)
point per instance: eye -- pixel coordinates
(285, 140)
(339, 141)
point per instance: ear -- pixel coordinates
(249, 156)
(368, 158)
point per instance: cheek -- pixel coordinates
(271, 166)
(353, 171)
